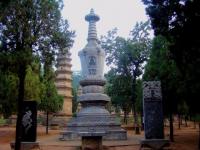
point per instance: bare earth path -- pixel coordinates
(185, 139)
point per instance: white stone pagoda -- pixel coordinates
(93, 118)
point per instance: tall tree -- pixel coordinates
(177, 21)
(8, 93)
(33, 85)
(118, 87)
(128, 55)
(50, 100)
(27, 28)
(161, 67)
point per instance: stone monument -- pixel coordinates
(153, 116)
(93, 119)
(63, 84)
(29, 127)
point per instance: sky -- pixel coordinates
(122, 14)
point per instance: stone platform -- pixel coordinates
(105, 124)
(26, 145)
(155, 144)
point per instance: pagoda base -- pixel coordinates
(109, 135)
(91, 124)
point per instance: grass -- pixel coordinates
(2, 121)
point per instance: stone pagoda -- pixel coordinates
(93, 117)
(64, 88)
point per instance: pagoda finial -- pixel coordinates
(92, 18)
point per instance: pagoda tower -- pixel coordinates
(93, 118)
(64, 87)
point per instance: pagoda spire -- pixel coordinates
(92, 18)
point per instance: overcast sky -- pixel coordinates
(122, 14)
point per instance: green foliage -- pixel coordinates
(74, 100)
(119, 89)
(183, 109)
(32, 85)
(50, 101)
(161, 67)
(28, 29)
(76, 77)
(126, 57)
(139, 96)
(2, 121)
(8, 93)
(178, 22)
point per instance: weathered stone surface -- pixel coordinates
(93, 117)
(64, 88)
(29, 121)
(153, 114)
(26, 146)
(92, 143)
(155, 144)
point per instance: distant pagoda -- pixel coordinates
(64, 87)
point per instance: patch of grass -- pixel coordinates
(2, 121)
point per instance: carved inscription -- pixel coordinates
(152, 90)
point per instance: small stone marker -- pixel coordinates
(29, 121)
(29, 126)
(153, 115)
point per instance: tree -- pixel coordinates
(139, 100)
(27, 28)
(128, 55)
(51, 101)
(177, 21)
(76, 77)
(33, 85)
(8, 93)
(161, 67)
(118, 87)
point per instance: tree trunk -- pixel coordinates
(125, 116)
(194, 124)
(47, 122)
(135, 117)
(199, 137)
(179, 121)
(21, 75)
(171, 133)
(136, 125)
(186, 121)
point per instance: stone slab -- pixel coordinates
(155, 144)
(108, 135)
(91, 134)
(152, 108)
(26, 146)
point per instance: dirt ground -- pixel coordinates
(185, 138)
